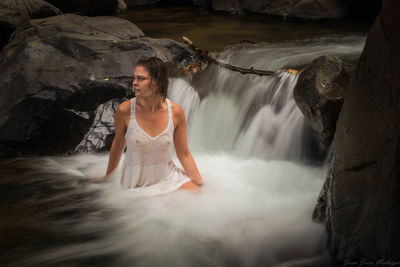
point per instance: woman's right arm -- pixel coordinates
(122, 117)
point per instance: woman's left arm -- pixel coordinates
(181, 146)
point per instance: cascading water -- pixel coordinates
(248, 139)
(256, 118)
(251, 115)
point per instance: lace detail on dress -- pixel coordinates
(145, 150)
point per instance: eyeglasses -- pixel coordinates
(139, 78)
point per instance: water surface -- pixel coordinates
(213, 31)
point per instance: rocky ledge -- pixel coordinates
(319, 93)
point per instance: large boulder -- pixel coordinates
(363, 211)
(14, 12)
(87, 7)
(55, 72)
(319, 93)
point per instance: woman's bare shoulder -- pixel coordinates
(123, 111)
(124, 107)
(177, 110)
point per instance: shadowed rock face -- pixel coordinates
(14, 12)
(305, 9)
(232, 6)
(319, 93)
(364, 194)
(308, 9)
(55, 72)
(87, 7)
(134, 3)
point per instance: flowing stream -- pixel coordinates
(254, 150)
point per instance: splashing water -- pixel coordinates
(250, 213)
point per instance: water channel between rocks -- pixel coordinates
(250, 142)
(213, 31)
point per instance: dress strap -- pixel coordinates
(169, 111)
(133, 108)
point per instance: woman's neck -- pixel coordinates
(151, 103)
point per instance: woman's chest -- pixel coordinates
(153, 123)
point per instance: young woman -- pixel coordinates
(148, 125)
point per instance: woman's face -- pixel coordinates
(142, 85)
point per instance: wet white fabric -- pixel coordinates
(148, 166)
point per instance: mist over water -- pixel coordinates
(252, 147)
(296, 52)
(250, 213)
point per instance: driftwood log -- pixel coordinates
(204, 56)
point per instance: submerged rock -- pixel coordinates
(363, 208)
(319, 93)
(14, 12)
(55, 72)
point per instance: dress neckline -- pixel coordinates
(141, 129)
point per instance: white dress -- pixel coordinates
(148, 167)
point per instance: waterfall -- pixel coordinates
(260, 120)
(250, 115)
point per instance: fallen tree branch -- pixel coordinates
(203, 55)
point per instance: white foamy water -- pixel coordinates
(297, 52)
(250, 213)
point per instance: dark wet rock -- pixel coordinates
(55, 72)
(231, 6)
(321, 210)
(87, 7)
(365, 9)
(65, 56)
(202, 3)
(37, 124)
(8, 152)
(101, 132)
(134, 3)
(121, 6)
(319, 93)
(308, 9)
(365, 188)
(14, 12)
